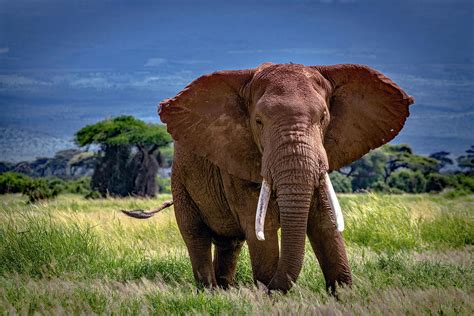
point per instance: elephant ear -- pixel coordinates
(210, 119)
(366, 108)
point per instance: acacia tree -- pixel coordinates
(128, 156)
(466, 161)
(402, 156)
(443, 159)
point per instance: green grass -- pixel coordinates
(418, 222)
(410, 254)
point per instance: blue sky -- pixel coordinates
(64, 64)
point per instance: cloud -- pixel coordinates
(16, 82)
(4, 50)
(158, 61)
(157, 81)
(98, 83)
(153, 62)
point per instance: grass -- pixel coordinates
(410, 254)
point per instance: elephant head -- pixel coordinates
(286, 126)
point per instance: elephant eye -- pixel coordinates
(323, 117)
(259, 122)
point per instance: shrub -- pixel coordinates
(93, 195)
(382, 187)
(455, 193)
(465, 182)
(12, 182)
(78, 186)
(436, 182)
(341, 183)
(41, 189)
(407, 181)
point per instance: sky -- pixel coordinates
(65, 64)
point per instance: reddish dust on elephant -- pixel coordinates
(253, 149)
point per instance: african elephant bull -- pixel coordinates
(265, 139)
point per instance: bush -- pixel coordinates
(12, 182)
(78, 186)
(340, 182)
(407, 181)
(41, 189)
(437, 182)
(35, 189)
(455, 193)
(93, 195)
(382, 187)
(465, 182)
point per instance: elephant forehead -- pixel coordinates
(301, 104)
(284, 79)
(290, 84)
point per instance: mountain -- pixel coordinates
(65, 164)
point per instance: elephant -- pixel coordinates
(253, 150)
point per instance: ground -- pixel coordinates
(410, 254)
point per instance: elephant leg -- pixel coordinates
(264, 255)
(199, 249)
(328, 245)
(196, 235)
(226, 252)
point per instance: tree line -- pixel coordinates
(396, 169)
(129, 152)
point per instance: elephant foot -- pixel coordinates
(281, 284)
(342, 281)
(224, 283)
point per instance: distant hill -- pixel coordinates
(65, 164)
(18, 144)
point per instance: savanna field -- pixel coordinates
(410, 254)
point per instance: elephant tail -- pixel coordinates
(141, 214)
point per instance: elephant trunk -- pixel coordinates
(293, 202)
(294, 181)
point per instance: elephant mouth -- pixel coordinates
(264, 198)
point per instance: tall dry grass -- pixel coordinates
(409, 255)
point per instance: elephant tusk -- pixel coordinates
(333, 202)
(262, 206)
